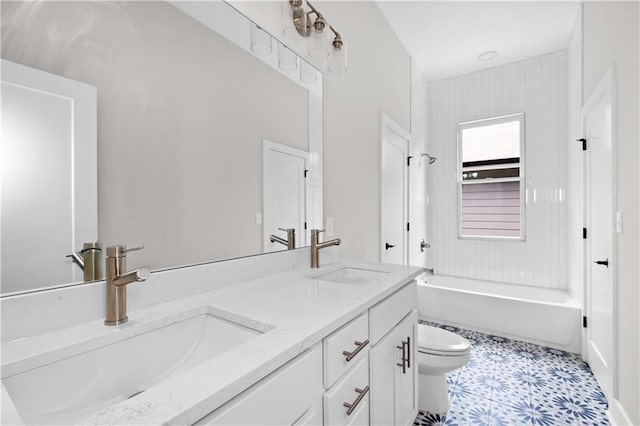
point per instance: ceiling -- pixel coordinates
(445, 37)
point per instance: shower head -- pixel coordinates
(432, 159)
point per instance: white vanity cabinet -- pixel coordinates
(393, 368)
(390, 391)
(290, 395)
(362, 373)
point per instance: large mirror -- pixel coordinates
(188, 120)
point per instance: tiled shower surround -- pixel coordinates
(537, 87)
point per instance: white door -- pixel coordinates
(49, 176)
(598, 119)
(394, 193)
(284, 190)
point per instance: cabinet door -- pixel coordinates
(406, 380)
(394, 397)
(382, 366)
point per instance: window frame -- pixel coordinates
(520, 116)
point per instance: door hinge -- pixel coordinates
(584, 233)
(409, 160)
(584, 143)
(306, 172)
(408, 226)
(305, 225)
(584, 322)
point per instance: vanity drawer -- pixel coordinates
(344, 340)
(386, 314)
(289, 395)
(335, 413)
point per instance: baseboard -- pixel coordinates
(617, 415)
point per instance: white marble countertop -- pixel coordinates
(294, 309)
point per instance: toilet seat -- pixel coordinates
(436, 341)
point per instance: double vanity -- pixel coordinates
(262, 340)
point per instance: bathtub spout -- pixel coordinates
(430, 271)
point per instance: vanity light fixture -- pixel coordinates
(300, 24)
(287, 59)
(338, 64)
(260, 40)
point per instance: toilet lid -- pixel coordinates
(438, 341)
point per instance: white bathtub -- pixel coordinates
(538, 315)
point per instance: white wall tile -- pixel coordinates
(536, 86)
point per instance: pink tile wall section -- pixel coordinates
(537, 87)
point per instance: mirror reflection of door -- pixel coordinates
(394, 193)
(284, 194)
(49, 177)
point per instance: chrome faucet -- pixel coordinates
(290, 242)
(88, 259)
(117, 280)
(316, 246)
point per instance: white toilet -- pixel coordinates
(439, 352)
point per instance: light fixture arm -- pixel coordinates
(313, 9)
(320, 23)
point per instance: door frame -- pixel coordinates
(605, 87)
(386, 122)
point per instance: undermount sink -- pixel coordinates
(351, 276)
(68, 390)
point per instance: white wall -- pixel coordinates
(611, 36)
(378, 80)
(179, 167)
(538, 87)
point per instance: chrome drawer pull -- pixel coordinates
(404, 357)
(352, 406)
(360, 346)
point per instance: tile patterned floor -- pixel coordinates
(509, 382)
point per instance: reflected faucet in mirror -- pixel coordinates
(88, 259)
(117, 280)
(290, 242)
(316, 246)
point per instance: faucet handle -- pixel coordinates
(126, 250)
(141, 274)
(120, 250)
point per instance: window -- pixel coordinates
(491, 178)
